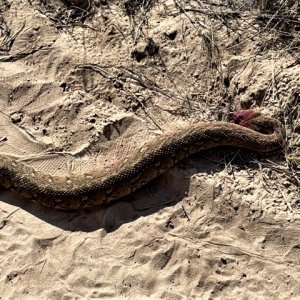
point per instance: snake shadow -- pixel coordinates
(166, 190)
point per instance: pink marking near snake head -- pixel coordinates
(244, 117)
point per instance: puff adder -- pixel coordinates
(250, 130)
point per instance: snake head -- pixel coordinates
(244, 117)
(255, 120)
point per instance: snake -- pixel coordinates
(248, 129)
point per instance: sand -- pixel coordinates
(97, 81)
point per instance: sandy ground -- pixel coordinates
(98, 80)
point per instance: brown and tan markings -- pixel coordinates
(250, 130)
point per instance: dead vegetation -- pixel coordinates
(65, 13)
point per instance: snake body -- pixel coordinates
(104, 186)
